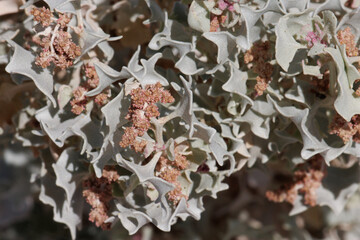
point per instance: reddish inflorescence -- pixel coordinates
(225, 4)
(346, 130)
(98, 193)
(57, 45)
(143, 108)
(259, 55)
(80, 101)
(312, 38)
(306, 180)
(170, 171)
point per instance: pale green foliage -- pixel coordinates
(219, 121)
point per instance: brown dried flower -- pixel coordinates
(42, 15)
(306, 180)
(321, 85)
(98, 193)
(357, 83)
(346, 130)
(259, 51)
(259, 55)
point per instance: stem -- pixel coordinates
(158, 130)
(167, 118)
(79, 19)
(333, 79)
(56, 29)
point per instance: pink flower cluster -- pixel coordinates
(225, 4)
(313, 37)
(216, 20)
